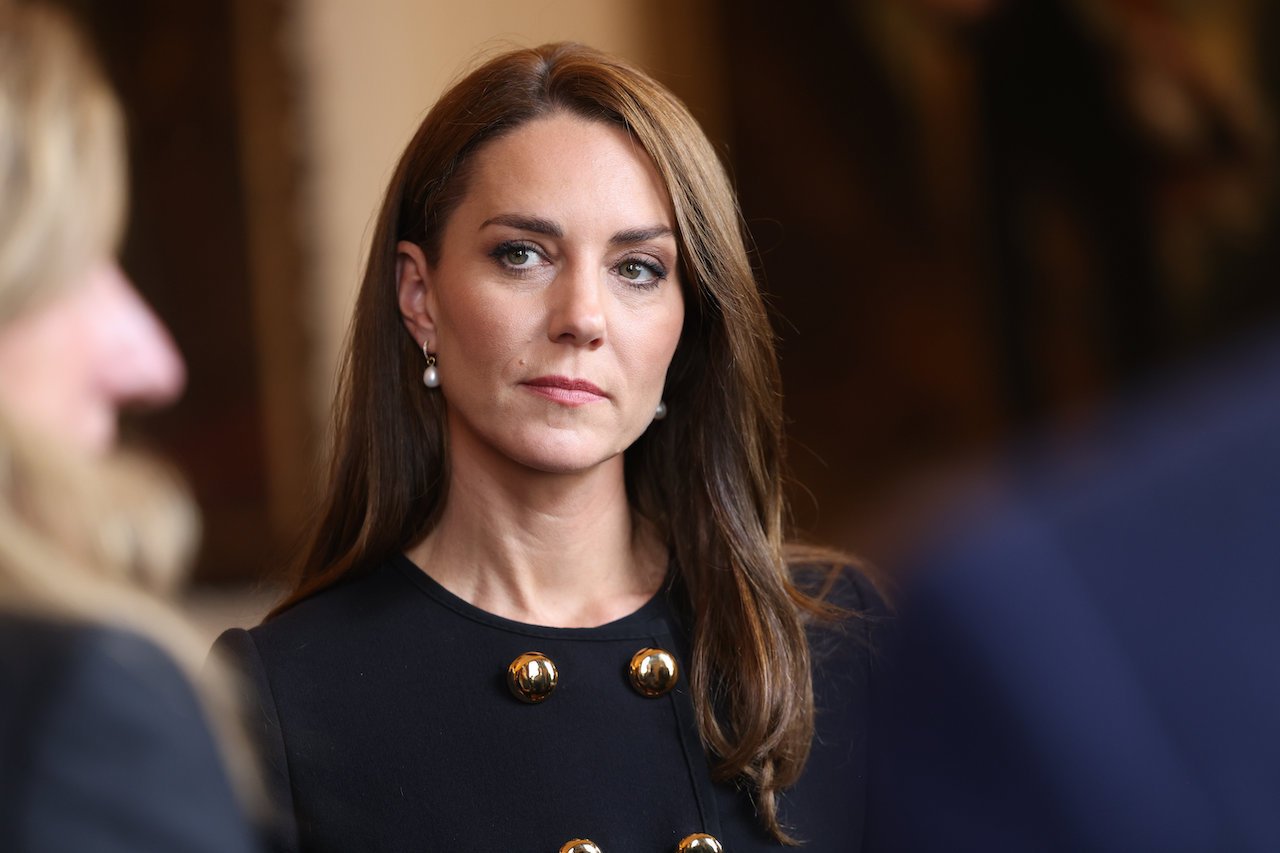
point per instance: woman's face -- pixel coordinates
(68, 365)
(555, 306)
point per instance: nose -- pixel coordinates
(576, 310)
(143, 365)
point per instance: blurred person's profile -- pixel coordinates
(111, 738)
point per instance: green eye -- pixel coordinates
(518, 256)
(637, 271)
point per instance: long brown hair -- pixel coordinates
(709, 478)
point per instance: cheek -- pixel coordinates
(650, 346)
(479, 331)
(48, 373)
(667, 333)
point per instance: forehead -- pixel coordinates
(574, 170)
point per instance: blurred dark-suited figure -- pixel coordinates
(1093, 663)
(1090, 659)
(105, 744)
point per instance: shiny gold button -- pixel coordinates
(653, 672)
(532, 677)
(700, 842)
(580, 845)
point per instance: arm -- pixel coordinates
(124, 760)
(829, 803)
(236, 648)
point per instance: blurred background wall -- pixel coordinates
(974, 218)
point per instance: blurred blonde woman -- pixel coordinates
(105, 743)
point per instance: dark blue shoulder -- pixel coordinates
(123, 758)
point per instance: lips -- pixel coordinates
(566, 390)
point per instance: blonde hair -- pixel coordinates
(83, 538)
(62, 162)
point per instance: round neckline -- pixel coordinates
(646, 620)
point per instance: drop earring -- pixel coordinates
(430, 376)
(660, 412)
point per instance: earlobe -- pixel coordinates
(413, 279)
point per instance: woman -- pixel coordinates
(545, 605)
(103, 740)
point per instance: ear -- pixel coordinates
(413, 291)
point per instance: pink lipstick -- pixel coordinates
(566, 391)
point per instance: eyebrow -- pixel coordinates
(640, 235)
(539, 225)
(536, 224)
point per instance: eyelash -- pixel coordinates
(657, 270)
(500, 252)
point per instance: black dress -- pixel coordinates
(387, 724)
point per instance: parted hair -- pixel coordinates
(710, 478)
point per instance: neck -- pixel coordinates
(561, 550)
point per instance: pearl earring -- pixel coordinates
(430, 376)
(660, 412)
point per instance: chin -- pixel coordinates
(564, 461)
(539, 446)
(562, 453)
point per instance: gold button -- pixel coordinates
(532, 677)
(701, 843)
(653, 672)
(580, 845)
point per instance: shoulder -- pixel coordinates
(846, 629)
(55, 662)
(1184, 475)
(238, 650)
(305, 658)
(33, 653)
(838, 581)
(34, 656)
(846, 603)
(844, 646)
(356, 601)
(122, 758)
(1134, 561)
(319, 641)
